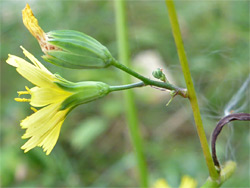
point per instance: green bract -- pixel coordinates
(83, 92)
(76, 50)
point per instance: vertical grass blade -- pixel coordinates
(131, 113)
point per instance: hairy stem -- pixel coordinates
(121, 27)
(190, 87)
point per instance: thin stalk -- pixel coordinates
(190, 87)
(147, 81)
(121, 27)
(124, 87)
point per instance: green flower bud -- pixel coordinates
(73, 49)
(159, 74)
(67, 48)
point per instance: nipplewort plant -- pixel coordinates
(53, 97)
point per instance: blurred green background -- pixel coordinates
(94, 148)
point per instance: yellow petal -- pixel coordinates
(161, 183)
(31, 24)
(12, 60)
(47, 134)
(36, 75)
(44, 96)
(188, 182)
(40, 116)
(31, 143)
(33, 74)
(37, 130)
(50, 141)
(35, 61)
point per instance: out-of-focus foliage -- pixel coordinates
(94, 147)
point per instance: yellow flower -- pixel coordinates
(56, 95)
(161, 183)
(186, 182)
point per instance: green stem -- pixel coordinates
(147, 81)
(225, 174)
(190, 87)
(124, 87)
(129, 97)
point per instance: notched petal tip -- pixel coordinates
(12, 60)
(47, 151)
(25, 150)
(25, 136)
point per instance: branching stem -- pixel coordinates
(147, 81)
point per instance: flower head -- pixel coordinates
(68, 48)
(55, 95)
(186, 182)
(161, 183)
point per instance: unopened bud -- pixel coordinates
(74, 49)
(159, 74)
(67, 48)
